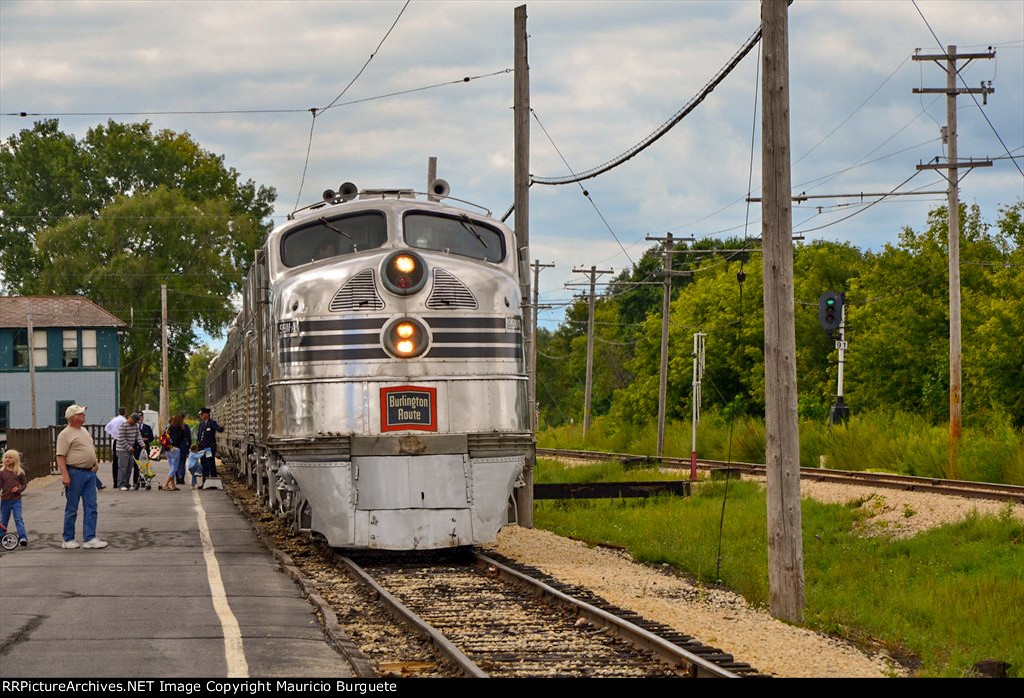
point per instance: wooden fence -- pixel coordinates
(38, 447)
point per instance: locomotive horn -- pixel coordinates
(328, 195)
(348, 191)
(439, 188)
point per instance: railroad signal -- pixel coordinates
(830, 311)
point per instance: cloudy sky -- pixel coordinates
(603, 76)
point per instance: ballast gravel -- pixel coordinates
(712, 616)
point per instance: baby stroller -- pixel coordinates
(9, 540)
(146, 472)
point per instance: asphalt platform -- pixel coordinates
(149, 605)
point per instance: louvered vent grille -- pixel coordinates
(360, 293)
(449, 293)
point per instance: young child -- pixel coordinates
(12, 483)
(195, 465)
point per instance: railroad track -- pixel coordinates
(959, 488)
(492, 620)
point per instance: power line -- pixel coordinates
(586, 193)
(987, 120)
(314, 111)
(664, 128)
(294, 110)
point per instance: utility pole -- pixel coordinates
(953, 215)
(592, 273)
(164, 392)
(32, 365)
(668, 243)
(699, 339)
(534, 419)
(521, 185)
(782, 444)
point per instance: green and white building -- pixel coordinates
(68, 347)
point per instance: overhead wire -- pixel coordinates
(293, 110)
(586, 193)
(984, 115)
(315, 111)
(665, 127)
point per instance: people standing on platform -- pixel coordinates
(180, 439)
(111, 429)
(206, 437)
(128, 438)
(146, 432)
(76, 458)
(175, 438)
(13, 482)
(185, 446)
(195, 465)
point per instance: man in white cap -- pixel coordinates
(76, 457)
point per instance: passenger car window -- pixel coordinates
(459, 235)
(332, 237)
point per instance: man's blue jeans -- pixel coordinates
(83, 486)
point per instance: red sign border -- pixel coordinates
(384, 392)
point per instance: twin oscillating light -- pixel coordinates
(406, 338)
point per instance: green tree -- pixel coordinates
(47, 176)
(187, 397)
(114, 215)
(120, 257)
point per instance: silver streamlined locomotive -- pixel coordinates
(373, 387)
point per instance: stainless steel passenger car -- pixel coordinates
(373, 387)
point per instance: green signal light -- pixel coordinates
(830, 302)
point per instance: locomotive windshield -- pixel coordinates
(325, 238)
(455, 234)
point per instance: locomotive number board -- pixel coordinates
(408, 407)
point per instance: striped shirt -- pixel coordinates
(127, 435)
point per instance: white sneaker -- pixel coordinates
(69, 544)
(124, 489)
(95, 543)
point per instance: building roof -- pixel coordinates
(54, 311)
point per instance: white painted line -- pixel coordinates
(233, 652)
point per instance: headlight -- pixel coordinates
(404, 273)
(406, 338)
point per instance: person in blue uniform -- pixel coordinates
(206, 438)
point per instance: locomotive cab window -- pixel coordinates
(324, 238)
(459, 235)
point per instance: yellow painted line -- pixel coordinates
(234, 654)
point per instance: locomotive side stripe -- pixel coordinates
(362, 323)
(332, 355)
(477, 338)
(497, 323)
(327, 340)
(439, 352)
(435, 352)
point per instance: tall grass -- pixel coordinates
(950, 596)
(992, 451)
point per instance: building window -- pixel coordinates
(39, 348)
(5, 415)
(70, 348)
(88, 347)
(62, 407)
(21, 348)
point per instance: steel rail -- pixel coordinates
(910, 483)
(670, 652)
(406, 615)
